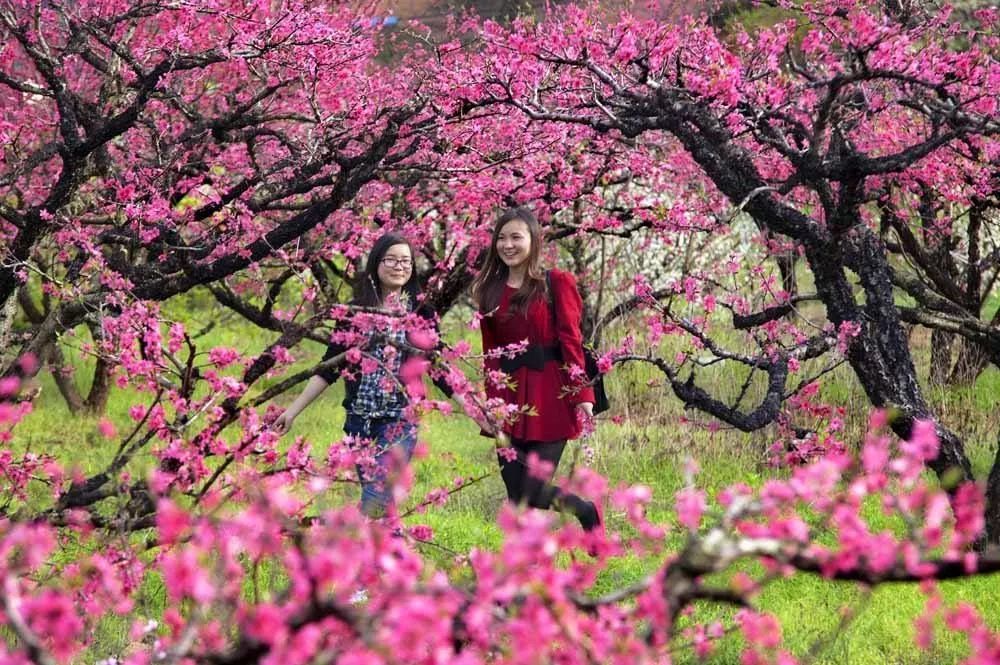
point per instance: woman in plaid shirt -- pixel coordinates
(375, 396)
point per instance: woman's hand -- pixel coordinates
(283, 423)
(483, 423)
(473, 411)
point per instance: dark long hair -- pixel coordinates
(488, 285)
(368, 287)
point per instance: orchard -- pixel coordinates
(782, 221)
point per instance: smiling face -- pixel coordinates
(513, 243)
(395, 268)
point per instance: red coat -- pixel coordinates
(543, 389)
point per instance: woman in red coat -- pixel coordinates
(546, 379)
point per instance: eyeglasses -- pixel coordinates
(393, 262)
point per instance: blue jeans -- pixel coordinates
(393, 440)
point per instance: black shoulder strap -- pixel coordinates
(551, 295)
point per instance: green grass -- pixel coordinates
(650, 448)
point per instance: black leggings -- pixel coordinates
(522, 487)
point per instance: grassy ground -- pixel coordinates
(648, 448)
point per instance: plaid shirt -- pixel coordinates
(380, 394)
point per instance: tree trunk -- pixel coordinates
(453, 284)
(7, 313)
(880, 354)
(942, 344)
(100, 387)
(789, 281)
(972, 360)
(63, 375)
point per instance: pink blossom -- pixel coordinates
(690, 505)
(222, 356)
(266, 624)
(51, 615)
(923, 442)
(423, 339)
(106, 428)
(28, 363)
(171, 521)
(508, 453)
(9, 385)
(963, 618)
(539, 468)
(760, 629)
(422, 532)
(185, 577)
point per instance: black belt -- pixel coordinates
(534, 357)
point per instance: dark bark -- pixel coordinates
(786, 266)
(765, 413)
(941, 286)
(748, 321)
(65, 317)
(880, 354)
(100, 386)
(447, 292)
(357, 173)
(62, 374)
(263, 363)
(52, 355)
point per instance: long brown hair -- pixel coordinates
(488, 285)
